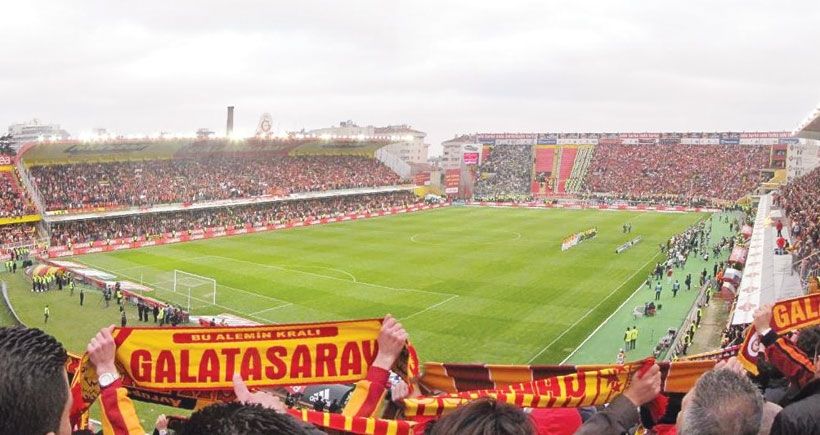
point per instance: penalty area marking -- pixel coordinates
(198, 299)
(593, 309)
(271, 309)
(430, 307)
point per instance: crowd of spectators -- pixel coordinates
(151, 182)
(725, 400)
(801, 201)
(14, 201)
(16, 233)
(506, 174)
(679, 173)
(280, 212)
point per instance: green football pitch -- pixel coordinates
(470, 284)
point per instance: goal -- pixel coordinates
(197, 288)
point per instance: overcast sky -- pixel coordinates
(445, 67)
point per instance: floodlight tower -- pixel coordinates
(229, 128)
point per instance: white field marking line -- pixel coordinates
(217, 284)
(271, 309)
(430, 307)
(193, 297)
(319, 275)
(517, 237)
(593, 309)
(344, 272)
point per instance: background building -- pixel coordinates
(33, 130)
(407, 144)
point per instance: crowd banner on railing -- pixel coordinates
(787, 316)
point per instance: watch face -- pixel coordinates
(107, 379)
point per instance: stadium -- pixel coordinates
(473, 266)
(572, 239)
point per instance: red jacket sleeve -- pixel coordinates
(368, 394)
(118, 414)
(788, 359)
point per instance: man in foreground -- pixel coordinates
(723, 402)
(34, 397)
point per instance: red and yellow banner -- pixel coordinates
(356, 425)
(677, 377)
(589, 388)
(787, 316)
(181, 359)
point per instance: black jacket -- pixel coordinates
(803, 415)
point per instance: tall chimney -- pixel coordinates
(229, 128)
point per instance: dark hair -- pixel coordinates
(485, 417)
(33, 390)
(235, 418)
(808, 340)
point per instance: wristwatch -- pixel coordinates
(107, 379)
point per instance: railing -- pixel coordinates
(25, 178)
(393, 162)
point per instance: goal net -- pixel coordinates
(196, 290)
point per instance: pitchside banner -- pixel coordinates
(787, 316)
(183, 359)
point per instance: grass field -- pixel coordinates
(470, 284)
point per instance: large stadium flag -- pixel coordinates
(787, 316)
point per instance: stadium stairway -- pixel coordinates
(579, 169)
(567, 159)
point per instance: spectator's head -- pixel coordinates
(240, 419)
(485, 416)
(808, 340)
(722, 402)
(34, 397)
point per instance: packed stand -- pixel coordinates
(679, 173)
(153, 224)
(14, 201)
(151, 182)
(506, 175)
(801, 201)
(15, 234)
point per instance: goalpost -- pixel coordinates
(199, 288)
